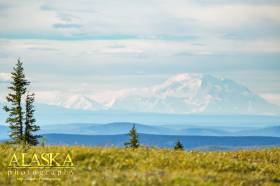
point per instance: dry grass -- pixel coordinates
(146, 166)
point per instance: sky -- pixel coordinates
(101, 46)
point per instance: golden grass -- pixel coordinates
(150, 166)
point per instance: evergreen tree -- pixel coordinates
(18, 87)
(134, 142)
(178, 146)
(30, 125)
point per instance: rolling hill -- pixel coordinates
(168, 141)
(105, 129)
(124, 127)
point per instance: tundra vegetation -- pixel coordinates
(152, 166)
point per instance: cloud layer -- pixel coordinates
(122, 44)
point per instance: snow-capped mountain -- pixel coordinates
(176, 95)
(181, 94)
(67, 100)
(194, 93)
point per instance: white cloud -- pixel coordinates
(5, 76)
(86, 50)
(223, 15)
(26, 17)
(272, 98)
(147, 17)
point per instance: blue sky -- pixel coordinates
(97, 46)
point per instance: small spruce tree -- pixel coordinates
(134, 142)
(14, 107)
(30, 126)
(178, 146)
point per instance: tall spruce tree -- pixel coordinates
(30, 126)
(18, 86)
(134, 142)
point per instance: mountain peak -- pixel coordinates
(184, 77)
(195, 93)
(180, 94)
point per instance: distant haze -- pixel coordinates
(180, 94)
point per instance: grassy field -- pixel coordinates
(146, 166)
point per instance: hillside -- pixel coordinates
(119, 166)
(167, 141)
(124, 127)
(105, 129)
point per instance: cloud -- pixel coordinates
(272, 98)
(3, 7)
(5, 77)
(165, 20)
(43, 49)
(3, 54)
(67, 25)
(252, 2)
(131, 38)
(102, 52)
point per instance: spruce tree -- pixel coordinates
(178, 146)
(18, 86)
(30, 126)
(134, 142)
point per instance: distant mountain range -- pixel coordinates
(105, 129)
(167, 141)
(49, 114)
(180, 94)
(193, 93)
(185, 99)
(123, 128)
(115, 134)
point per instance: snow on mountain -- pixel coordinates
(173, 96)
(83, 102)
(180, 94)
(194, 93)
(68, 100)
(228, 96)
